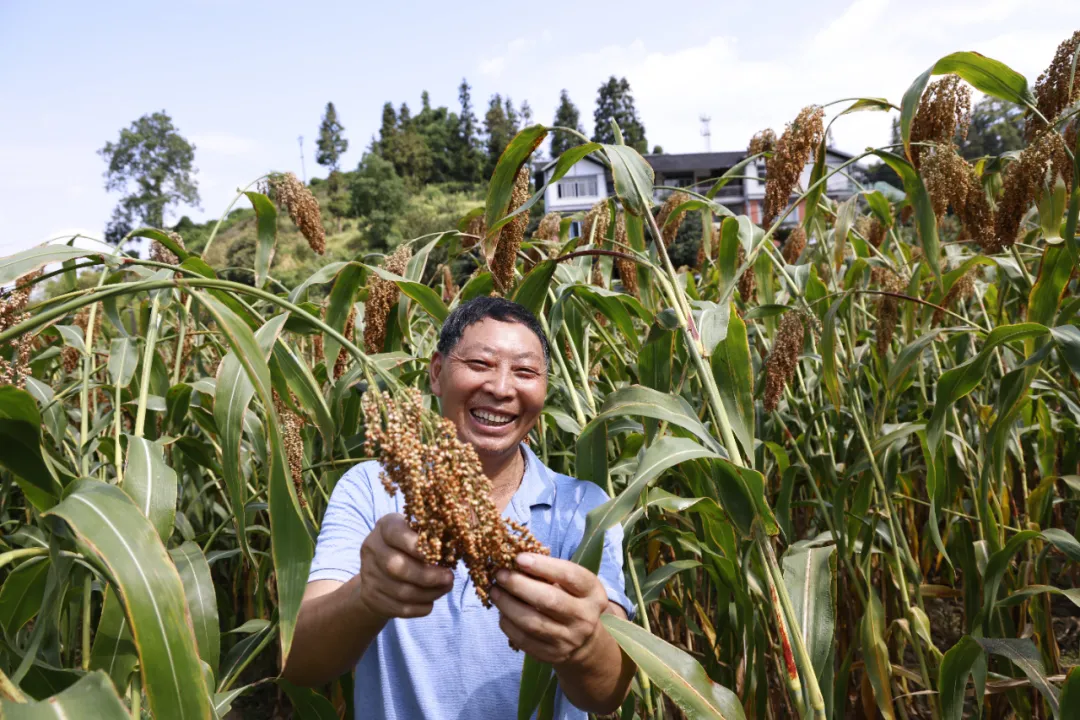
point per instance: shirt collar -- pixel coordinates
(537, 485)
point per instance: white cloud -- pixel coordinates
(873, 48)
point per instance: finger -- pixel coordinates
(570, 576)
(529, 619)
(412, 594)
(523, 641)
(549, 599)
(397, 534)
(403, 568)
(390, 606)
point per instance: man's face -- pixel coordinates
(492, 385)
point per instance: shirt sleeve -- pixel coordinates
(349, 517)
(611, 560)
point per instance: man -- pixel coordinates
(422, 643)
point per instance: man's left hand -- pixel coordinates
(551, 609)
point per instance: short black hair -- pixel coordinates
(482, 308)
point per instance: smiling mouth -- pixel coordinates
(492, 419)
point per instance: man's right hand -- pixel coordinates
(395, 580)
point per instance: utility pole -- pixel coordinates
(705, 132)
(303, 170)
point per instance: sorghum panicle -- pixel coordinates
(349, 331)
(12, 312)
(876, 234)
(747, 284)
(447, 496)
(291, 425)
(382, 297)
(511, 234)
(780, 365)
(303, 208)
(160, 253)
(947, 177)
(763, 141)
(1022, 180)
(962, 289)
(793, 150)
(595, 225)
(670, 228)
(944, 110)
(1056, 88)
(450, 288)
(794, 245)
(887, 310)
(474, 231)
(627, 268)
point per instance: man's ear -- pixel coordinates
(434, 371)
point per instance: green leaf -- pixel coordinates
(118, 536)
(986, 75)
(291, 544)
(810, 577)
(201, 600)
(340, 304)
(151, 484)
(962, 379)
(665, 453)
(907, 357)
(742, 495)
(91, 697)
(266, 232)
(20, 426)
(309, 705)
(956, 666)
(233, 392)
(501, 186)
(675, 672)
(532, 291)
(733, 371)
(876, 654)
(1067, 338)
(165, 239)
(646, 402)
(114, 649)
(633, 178)
(658, 579)
(302, 382)
(1054, 272)
(15, 266)
(996, 566)
(925, 220)
(1024, 654)
(22, 595)
(1070, 694)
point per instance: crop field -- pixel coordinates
(844, 451)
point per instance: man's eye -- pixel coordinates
(527, 372)
(477, 364)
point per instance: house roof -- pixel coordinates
(688, 162)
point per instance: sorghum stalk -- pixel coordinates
(84, 391)
(148, 363)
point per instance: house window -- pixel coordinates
(575, 187)
(575, 229)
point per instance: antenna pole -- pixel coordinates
(705, 132)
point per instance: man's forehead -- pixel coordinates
(502, 338)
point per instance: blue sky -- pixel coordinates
(243, 80)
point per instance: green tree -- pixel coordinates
(499, 128)
(437, 126)
(468, 159)
(152, 163)
(566, 115)
(614, 101)
(387, 130)
(996, 127)
(332, 144)
(378, 195)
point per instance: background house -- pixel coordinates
(588, 182)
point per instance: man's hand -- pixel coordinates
(553, 612)
(395, 580)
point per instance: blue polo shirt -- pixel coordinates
(455, 663)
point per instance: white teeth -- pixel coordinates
(492, 417)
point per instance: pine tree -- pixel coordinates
(467, 158)
(499, 129)
(332, 145)
(615, 101)
(566, 115)
(388, 129)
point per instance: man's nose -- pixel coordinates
(500, 383)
